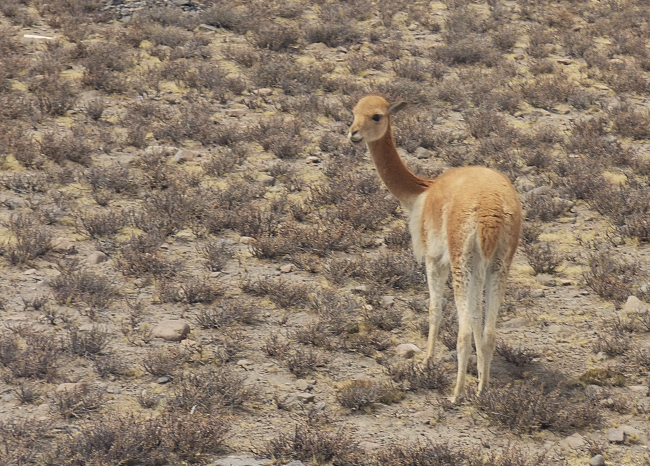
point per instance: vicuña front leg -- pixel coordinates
(436, 278)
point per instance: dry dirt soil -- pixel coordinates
(188, 161)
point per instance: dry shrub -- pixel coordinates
(412, 375)
(547, 92)
(164, 361)
(630, 122)
(190, 290)
(228, 313)
(531, 406)
(74, 146)
(32, 239)
(100, 224)
(283, 293)
(608, 275)
(275, 36)
(83, 286)
(542, 258)
(55, 96)
(518, 356)
(141, 254)
(88, 343)
(21, 439)
(74, 403)
(170, 438)
(210, 388)
(32, 354)
(216, 253)
(363, 394)
(316, 446)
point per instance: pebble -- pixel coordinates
(306, 397)
(387, 300)
(62, 245)
(575, 441)
(70, 387)
(164, 379)
(287, 268)
(597, 460)
(246, 240)
(407, 350)
(616, 435)
(96, 257)
(171, 330)
(302, 384)
(241, 460)
(634, 304)
(517, 322)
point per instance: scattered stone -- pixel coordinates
(164, 379)
(264, 91)
(114, 390)
(407, 350)
(638, 388)
(302, 384)
(71, 387)
(242, 460)
(520, 56)
(597, 460)
(601, 87)
(634, 435)
(452, 356)
(575, 441)
(546, 280)
(644, 288)
(359, 289)
(236, 112)
(565, 282)
(537, 293)
(634, 304)
(616, 435)
(422, 153)
(246, 240)
(171, 330)
(207, 28)
(183, 156)
(29, 272)
(96, 257)
(369, 446)
(312, 159)
(387, 300)
(62, 245)
(564, 61)
(287, 268)
(517, 322)
(189, 343)
(37, 36)
(305, 398)
(245, 363)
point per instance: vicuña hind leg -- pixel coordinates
(495, 291)
(436, 277)
(462, 292)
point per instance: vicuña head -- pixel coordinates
(467, 221)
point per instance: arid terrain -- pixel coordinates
(197, 263)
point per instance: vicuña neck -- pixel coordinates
(399, 180)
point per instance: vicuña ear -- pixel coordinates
(396, 107)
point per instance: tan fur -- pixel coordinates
(467, 221)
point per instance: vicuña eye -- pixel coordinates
(376, 117)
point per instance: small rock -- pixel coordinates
(171, 330)
(114, 390)
(575, 441)
(644, 288)
(601, 87)
(452, 356)
(634, 304)
(638, 388)
(246, 240)
(62, 245)
(520, 56)
(295, 463)
(387, 300)
(164, 379)
(564, 61)
(359, 289)
(312, 159)
(71, 387)
(306, 397)
(183, 156)
(634, 435)
(546, 280)
(287, 268)
(29, 272)
(422, 153)
(264, 91)
(407, 350)
(565, 282)
(236, 112)
(369, 446)
(189, 343)
(207, 28)
(245, 363)
(96, 257)
(302, 384)
(597, 460)
(517, 322)
(242, 460)
(616, 435)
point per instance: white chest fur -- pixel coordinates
(435, 243)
